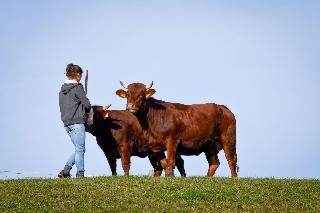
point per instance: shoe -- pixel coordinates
(80, 174)
(63, 174)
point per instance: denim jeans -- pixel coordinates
(77, 135)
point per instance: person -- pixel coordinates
(74, 104)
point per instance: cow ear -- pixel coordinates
(150, 92)
(106, 114)
(121, 93)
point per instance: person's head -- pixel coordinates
(74, 72)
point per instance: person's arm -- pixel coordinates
(83, 98)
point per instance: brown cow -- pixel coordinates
(119, 135)
(183, 129)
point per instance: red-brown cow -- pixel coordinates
(183, 129)
(119, 135)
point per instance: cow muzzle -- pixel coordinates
(132, 108)
(89, 117)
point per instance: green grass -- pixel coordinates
(148, 194)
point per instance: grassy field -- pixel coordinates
(148, 194)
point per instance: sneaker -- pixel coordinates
(63, 174)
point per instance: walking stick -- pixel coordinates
(86, 82)
(87, 117)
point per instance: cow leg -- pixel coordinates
(171, 157)
(163, 162)
(228, 141)
(231, 156)
(157, 168)
(112, 162)
(180, 165)
(109, 155)
(125, 159)
(213, 160)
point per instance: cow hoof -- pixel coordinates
(157, 173)
(169, 174)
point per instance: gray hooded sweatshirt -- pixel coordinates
(73, 103)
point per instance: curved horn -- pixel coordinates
(124, 85)
(149, 85)
(106, 107)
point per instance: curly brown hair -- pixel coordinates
(72, 70)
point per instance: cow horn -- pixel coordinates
(124, 85)
(106, 107)
(149, 85)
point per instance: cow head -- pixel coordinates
(136, 95)
(100, 112)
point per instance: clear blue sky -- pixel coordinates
(260, 58)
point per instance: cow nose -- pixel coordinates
(130, 106)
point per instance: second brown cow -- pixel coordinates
(119, 135)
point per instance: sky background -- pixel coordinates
(259, 58)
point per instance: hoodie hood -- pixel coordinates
(67, 87)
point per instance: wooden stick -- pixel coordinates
(86, 82)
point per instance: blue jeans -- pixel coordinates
(77, 135)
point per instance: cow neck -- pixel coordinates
(144, 114)
(100, 127)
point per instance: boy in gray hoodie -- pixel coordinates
(74, 104)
